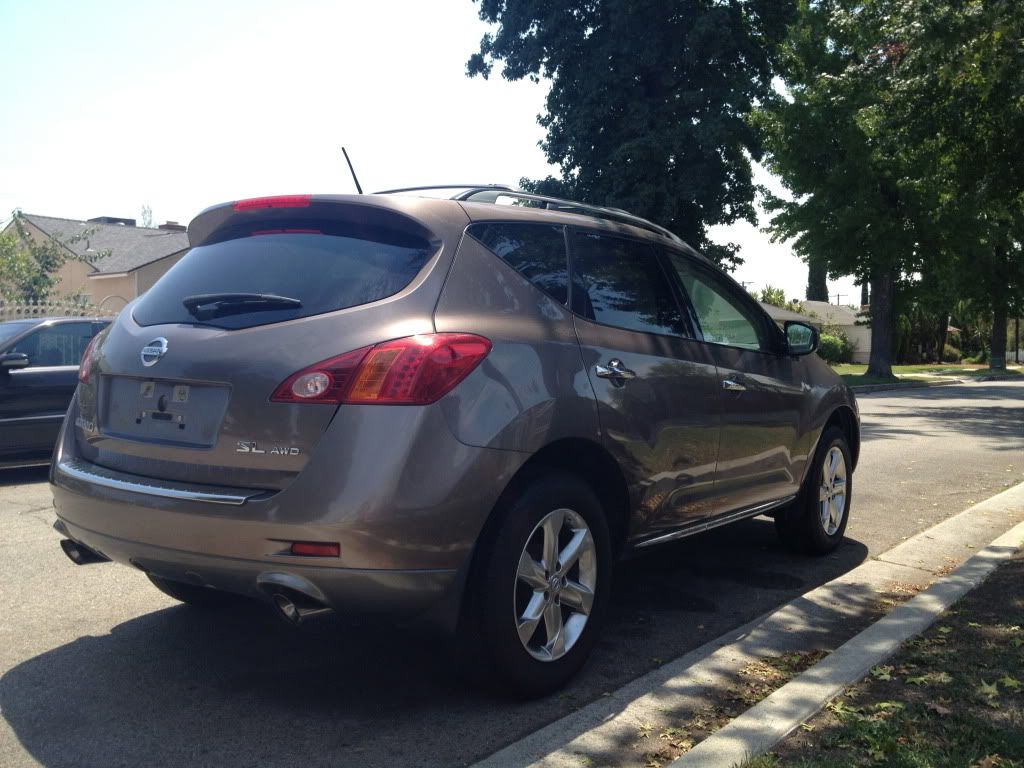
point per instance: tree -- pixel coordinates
(856, 205)
(648, 101)
(817, 279)
(146, 215)
(29, 266)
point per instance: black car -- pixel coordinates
(38, 373)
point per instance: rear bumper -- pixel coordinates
(406, 524)
(427, 596)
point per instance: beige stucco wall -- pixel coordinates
(860, 337)
(112, 292)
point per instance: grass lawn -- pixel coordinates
(952, 697)
(854, 373)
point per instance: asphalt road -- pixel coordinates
(97, 668)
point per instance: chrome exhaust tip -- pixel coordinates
(79, 554)
(295, 610)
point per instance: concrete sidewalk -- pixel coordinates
(606, 732)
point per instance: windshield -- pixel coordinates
(270, 278)
(12, 329)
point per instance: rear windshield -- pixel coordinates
(320, 272)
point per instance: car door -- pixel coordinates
(34, 399)
(656, 386)
(760, 456)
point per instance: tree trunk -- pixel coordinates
(943, 334)
(883, 323)
(997, 353)
(865, 297)
(817, 283)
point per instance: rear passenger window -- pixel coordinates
(620, 282)
(536, 251)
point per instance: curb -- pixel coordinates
(772, 719)
(861, 389)
(597, 733)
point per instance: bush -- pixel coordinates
(951, 354)
(833, 348)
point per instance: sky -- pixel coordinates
(111, 105)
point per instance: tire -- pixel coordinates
(810, 525)
(505, 592)
(194, 595)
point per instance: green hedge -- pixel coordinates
(835, 349)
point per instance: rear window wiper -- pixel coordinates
(204, 306)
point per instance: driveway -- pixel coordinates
(97, 668)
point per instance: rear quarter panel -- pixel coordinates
(532, 389)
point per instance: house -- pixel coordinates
(821, 313)
(135, 257)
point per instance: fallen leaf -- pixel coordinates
(882, 673)
(988, 690)
(938, 709)
(1009, 683)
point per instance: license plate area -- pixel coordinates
(181, 413)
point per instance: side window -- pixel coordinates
(61, 344)
(620, 282)
(723, 317)
(536, 251)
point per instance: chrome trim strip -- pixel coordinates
(707, 525)
(108, 479)
(44, 418)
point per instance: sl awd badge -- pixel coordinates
(251, 446)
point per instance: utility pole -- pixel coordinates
(839, 296)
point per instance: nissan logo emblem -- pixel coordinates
(153, 351)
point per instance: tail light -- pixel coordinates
(416, 370)
(86, 364)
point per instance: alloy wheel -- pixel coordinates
(555, 582)
(832, 494)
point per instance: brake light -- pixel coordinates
(280, 201)
(416, 370)
(86, 362)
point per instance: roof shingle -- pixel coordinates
(130, 247)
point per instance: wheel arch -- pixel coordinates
(844, 418)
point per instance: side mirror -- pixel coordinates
(9, 361)
(801, 338)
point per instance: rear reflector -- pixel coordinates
(315, 549)
(416, 370)
(281, 201)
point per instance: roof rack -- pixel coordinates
(489, 193)
(475, 187)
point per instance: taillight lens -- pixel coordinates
(86, 363)
(416, 370)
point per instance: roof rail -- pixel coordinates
(476, 187)
(489, 193)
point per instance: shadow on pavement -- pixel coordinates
(24, 475)
(182, 687)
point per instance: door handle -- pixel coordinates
(733, 386)
(614, 370)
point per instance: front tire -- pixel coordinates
(539, 587)
(816, 521)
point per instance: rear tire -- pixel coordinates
(195, 595)
(539, 588)
(816, 521)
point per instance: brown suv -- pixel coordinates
(452, 410)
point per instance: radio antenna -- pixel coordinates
(352, 170)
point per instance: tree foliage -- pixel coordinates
(29, 265)
(648, 101)
(900, 138)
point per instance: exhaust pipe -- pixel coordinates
(295, 599)
(79, 554)
(295, 610)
